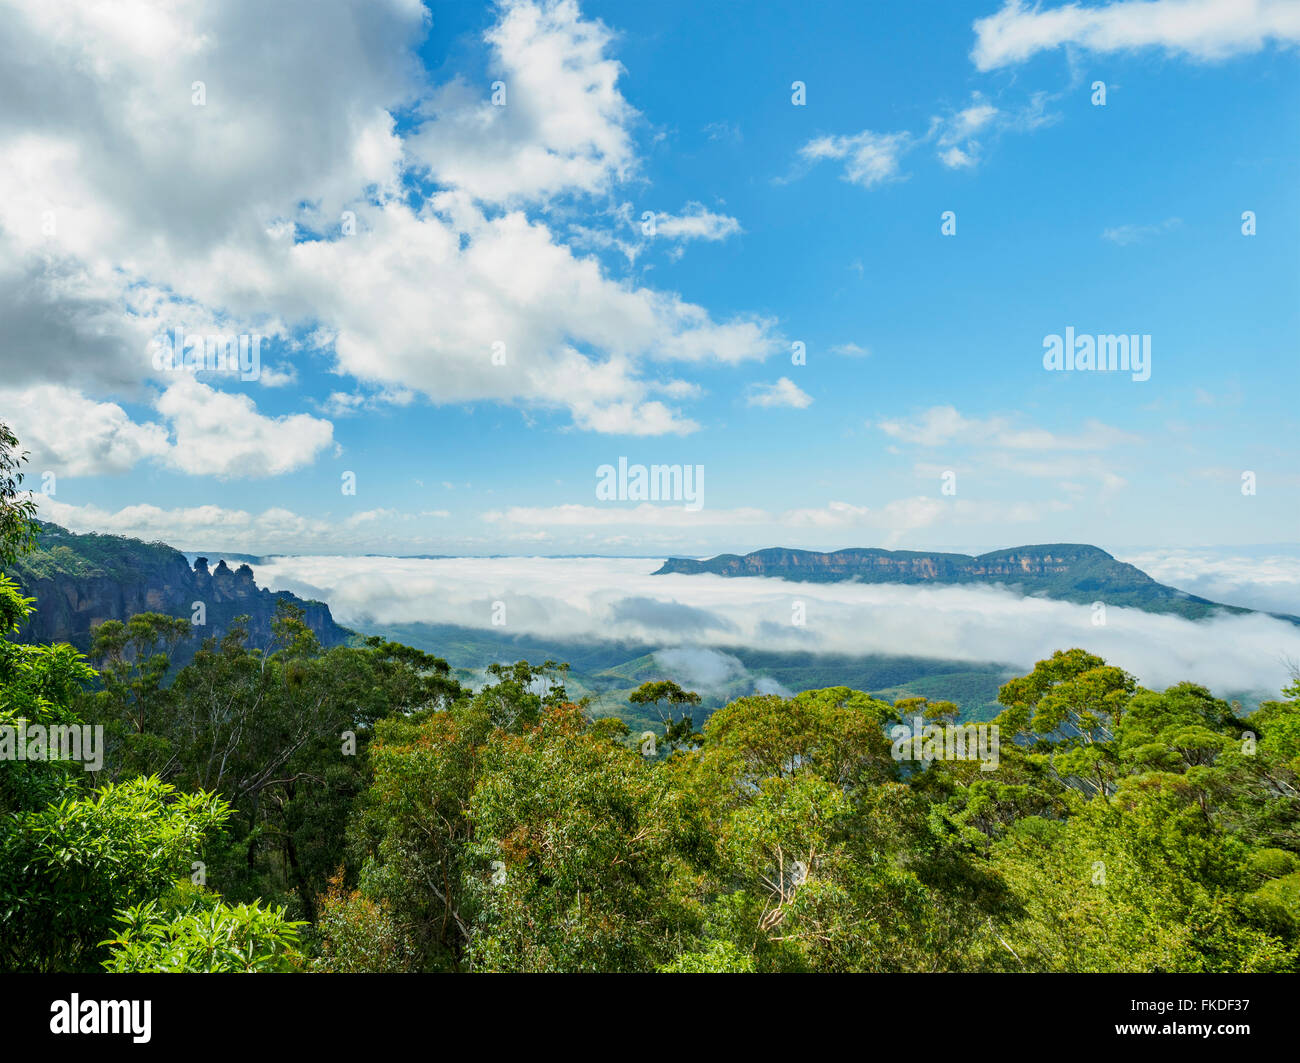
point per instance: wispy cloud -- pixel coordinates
(850, 350)
(943, 425)
(1197, 29)
(869, 158)
(785, 392)
(1131, 234)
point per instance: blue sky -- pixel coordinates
(774, 224)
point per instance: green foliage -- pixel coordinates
(66, 869)
(192, 931)
(585, 841)
(357, 935)
(677, 732)
(17, 515)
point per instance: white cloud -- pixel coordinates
(1197, 29)
(958, 137)
(606, 598)
(119, 194)
(646, 514)
(209, 432)
(506, 288)
(274, 530)
(71, 435)
(785, 392)
(955, 135)
(850, 350)
(1131, 234)
(956, 159)
(870, 158)
(229, 214)
(222, 434)
(564, 123)
(696, 222)
(943, 425)
(1265, 579)
(889, 523)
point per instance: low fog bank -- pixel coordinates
(1255, 580)
(618, 599)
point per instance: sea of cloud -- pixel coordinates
(619, 598)
(1266, 578)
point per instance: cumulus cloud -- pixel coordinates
(209, 433)
(785, 392)
(180, 179)
(71, 435)
(125, 181)
(586, 598)
(223, 435)
(561, 125)
(1196, 29)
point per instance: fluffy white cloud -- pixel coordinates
(1198, 29)
(506, 318)
(71, 435)
(209, 432)
(562, 124)
(785, 392)
(222, 434)
(696, 222)
(119, 190)
(127, 208)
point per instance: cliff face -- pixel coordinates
(1068, 571)
(80, 581)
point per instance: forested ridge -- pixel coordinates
(356, 808)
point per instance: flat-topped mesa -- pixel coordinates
(1074, 572)
(864, 563)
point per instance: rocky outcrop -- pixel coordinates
(79, 581)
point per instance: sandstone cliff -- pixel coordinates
(80, 581)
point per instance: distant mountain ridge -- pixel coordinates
(1071, 572)
(80, 581)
